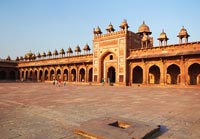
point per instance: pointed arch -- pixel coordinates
(173, 74)
(194, 74)
(137, 75)
(82, 75)
(73, 75)
(154, 75)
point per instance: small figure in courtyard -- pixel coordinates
(64, 83)
(102, 81)
(59, 82)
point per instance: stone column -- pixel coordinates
(61, 73)
(20, 74)
(49, 75)
(86, 74)
(77, 74)
(180, 40)
(43, 75)
(145, 73)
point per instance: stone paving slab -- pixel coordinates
(117, 128)
(44, 111)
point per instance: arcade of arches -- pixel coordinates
(8, 74)
(71, 74)
(171, 74)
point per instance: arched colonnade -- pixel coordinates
(81, 73)
(169, 73)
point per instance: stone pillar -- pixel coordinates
(38, 75)
(180, 40)
(43, 75)
(131, 75)
(49, 75)
(163, 73)
(77, 74)
(186, 40)
(145, 73)
(20, 74)
(86, 74)
(61, 73)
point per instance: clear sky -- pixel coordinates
(43, 25)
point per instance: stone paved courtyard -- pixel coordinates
(44, 111)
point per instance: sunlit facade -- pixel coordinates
(120, 57)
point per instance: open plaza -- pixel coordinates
(45, 111)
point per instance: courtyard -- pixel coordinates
(45, 111)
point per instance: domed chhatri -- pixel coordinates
(163, 37)
(77, 49)
(8, 58)
(86, 47)
(110, 28)
(124, 25)
(97, 31)
(28, 56)
(62, 52)
(69, 50)
(49, 53)
(55, 52)
(38, 55)
(144, 29)
(183, 34)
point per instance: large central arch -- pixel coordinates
(108, 60)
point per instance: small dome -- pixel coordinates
(69, 50)
(49, 53)
(8, 58)
(110, 28)
(55, 52)
(77, 49)
(21, 58)
(183, 33)
(124, 24)
(86, 47)
(17, 58)
(29, 55)
(144, 29)
(97, 30)
(38, 55)
(163, 36)
(43, 54)
(62, 52)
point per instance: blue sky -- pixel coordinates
(43, 25)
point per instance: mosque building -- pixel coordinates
(119, 57)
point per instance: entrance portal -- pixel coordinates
(111, 74)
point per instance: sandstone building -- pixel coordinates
(120, 57)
